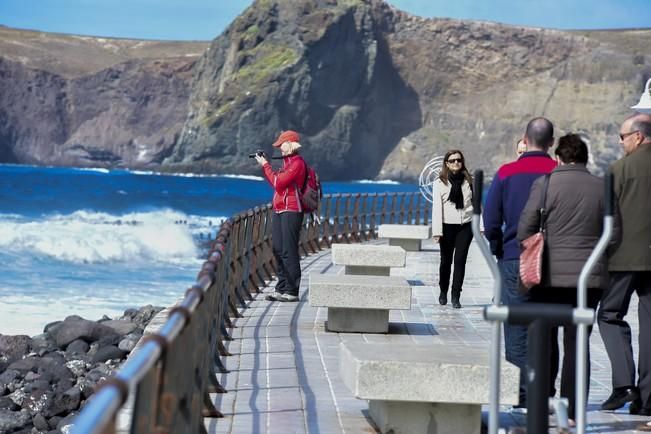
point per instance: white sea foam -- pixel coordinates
(196, 175)
(93, 237)
(374, 181)
(93, 169)
(249, 177)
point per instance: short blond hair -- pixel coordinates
(293, 147)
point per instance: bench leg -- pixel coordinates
(423, 417)
(342, 319)
(367, 271)
(409, 245)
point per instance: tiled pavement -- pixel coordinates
(284, 375)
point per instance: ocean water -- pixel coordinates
(91, 242)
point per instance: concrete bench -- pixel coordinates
(367, 259)
(429, 389)
(409, 237)
(359, 303)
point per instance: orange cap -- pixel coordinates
(286, 136)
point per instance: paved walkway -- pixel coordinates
(284, 375)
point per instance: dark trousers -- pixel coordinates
(285, 235)
(515, 336)
(616, 333)
(455, 243)
(568, 373)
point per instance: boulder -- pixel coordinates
(7, 403)
(14, 347)
(107, 353)
(71, 398)
(78, 346)
(13, 420)
(40, 423)
(74, 328)
(43, 344)
(121, 327)
(9, 376)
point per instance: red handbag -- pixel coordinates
(531, 249)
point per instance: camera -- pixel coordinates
(258, 153)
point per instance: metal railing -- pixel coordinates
(171, 374)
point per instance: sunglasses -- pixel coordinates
(455, 160)
(625, 135)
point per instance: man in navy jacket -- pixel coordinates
(506, 199)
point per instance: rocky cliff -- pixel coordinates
(375, 92)
(83, 101)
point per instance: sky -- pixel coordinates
(206, 19)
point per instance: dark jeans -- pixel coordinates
(285, 233)
(616, 333)
(455, 243)
(568, 374)
(515, 336)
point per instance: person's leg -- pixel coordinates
(615, 331)
(643, 287)
(291, 228)
(447, 252)
(277, 248)
(461, 247)
(515, 336)
(549, 295)
(568, 375)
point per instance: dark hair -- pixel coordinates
(572, 149)
(443, 175)
(540, 133)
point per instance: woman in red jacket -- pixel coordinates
(287, 217)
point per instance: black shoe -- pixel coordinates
(635, 407)
(455, 303)
(620, 397)
(443, 299)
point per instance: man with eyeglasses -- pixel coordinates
(505, 201)
(630, 270)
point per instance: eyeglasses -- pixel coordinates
(625, 135)
(455, 160)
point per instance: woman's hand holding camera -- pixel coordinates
(260, 159)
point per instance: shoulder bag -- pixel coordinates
(531, 253)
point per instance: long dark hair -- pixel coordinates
(445, 172)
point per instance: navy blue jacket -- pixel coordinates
(506, 199)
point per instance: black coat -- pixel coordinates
(575, 203)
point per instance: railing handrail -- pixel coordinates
(240, 261)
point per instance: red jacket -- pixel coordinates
(286, 183)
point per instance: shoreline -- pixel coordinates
(46, 379)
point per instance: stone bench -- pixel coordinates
(409, 237)
(367, 259)
(359, 303)
(429, 389)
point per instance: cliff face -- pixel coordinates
(322, 68)
(374, 91)
(81, 101)
(377, 92)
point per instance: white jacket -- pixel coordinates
(444, 211)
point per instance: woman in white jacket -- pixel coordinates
(451, 217)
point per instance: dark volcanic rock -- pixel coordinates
(13, 420)
(77, 346)
(110, 352)
(14, 347)
(40, 423)
(74, 328)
